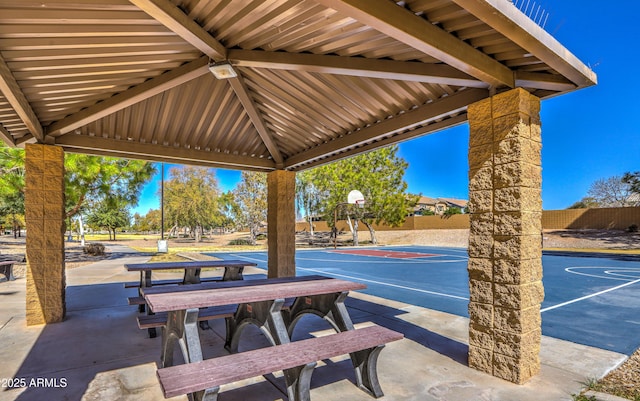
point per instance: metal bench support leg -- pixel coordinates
(210, 394)
(7, 270)
(366, 366)
(266, 315)
(145, 281)
(182, 326)
(232, 273)
(298, 382)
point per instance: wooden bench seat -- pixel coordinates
(297, 359)
(214, 312)
(6, 268)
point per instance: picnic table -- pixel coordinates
(6, 268)
(261, 302)
(233, 270)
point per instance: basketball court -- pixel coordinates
(590, 299)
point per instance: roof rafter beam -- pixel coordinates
(406, 27)
(249, 105)
(380, 131)
(505, 18)
(6, 137)
(427, 129)
(18, 101)
(550, 82)
(441, 74)
(182, 25)
(131, 96)
(160, 153)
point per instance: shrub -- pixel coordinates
(240, 241)
(94, 249)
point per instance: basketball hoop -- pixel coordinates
(356, 197)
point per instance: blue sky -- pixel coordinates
(587, 135)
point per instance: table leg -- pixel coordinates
(145, 282)
(331, 307)
(181, 328)
(233, 273)
(266, 315)
(191, 276)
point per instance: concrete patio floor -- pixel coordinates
(98, 352)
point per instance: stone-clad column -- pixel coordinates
(505, 249)
(44, 215)
(281, 221)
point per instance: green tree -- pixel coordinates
(191, 199)
(94, 178)
(87, 178)
(229, 209)
(150, 222)
(251, 198)
(307, 197)
(633, 179)
(379, 176)
(110, 213)
(585, 203)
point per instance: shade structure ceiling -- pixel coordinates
(316, 80)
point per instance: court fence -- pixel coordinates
(620, 218)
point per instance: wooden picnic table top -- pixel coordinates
(199, 264)
(239, 292)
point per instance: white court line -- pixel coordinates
(589, 296)
(387, 284)
(605, 269)
(395, 261)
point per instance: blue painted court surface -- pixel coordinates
(589, 299)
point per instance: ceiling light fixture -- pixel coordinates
(222, 70)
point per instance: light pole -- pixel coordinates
(162, 243)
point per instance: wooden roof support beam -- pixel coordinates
(441, 74)
(505, 18)
(550, 82)
(242, 92)
(405, 136)
(414, 119)
(6, 137)
(146, 151)
(406, 27)
(177, 21)
(129, 97)
(16, 98)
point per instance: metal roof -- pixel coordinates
(317, 80)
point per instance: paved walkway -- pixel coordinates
(98, 353)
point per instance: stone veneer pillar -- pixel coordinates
(44, 215)
(505, 247)
(281, 221)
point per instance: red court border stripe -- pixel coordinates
(385, 254)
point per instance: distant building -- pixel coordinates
(438, 206)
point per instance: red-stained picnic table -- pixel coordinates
(259, 302)
(233, 270)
